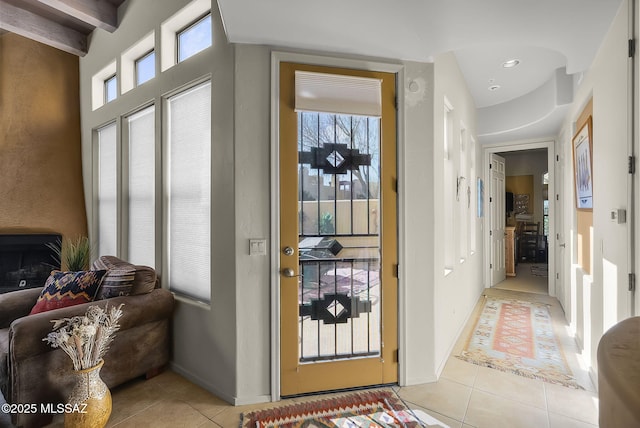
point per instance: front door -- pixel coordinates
(498, 209)
(338, 242)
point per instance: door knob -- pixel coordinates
(288, 251)
(289, 273)
(563, 245)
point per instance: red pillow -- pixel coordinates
(64, 289)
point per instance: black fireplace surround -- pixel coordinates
(26, 260)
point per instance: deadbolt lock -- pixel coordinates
(288, 251)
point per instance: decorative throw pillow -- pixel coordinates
(145, 277)
(119, 278)
(64, 289)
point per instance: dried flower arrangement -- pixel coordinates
(86, 338)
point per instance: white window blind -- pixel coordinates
(339, 94)
(189, 192)
(141, 233)
(107, 191)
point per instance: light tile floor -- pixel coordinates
(466, 395)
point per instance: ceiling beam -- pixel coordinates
(35, 27)
(100, 14)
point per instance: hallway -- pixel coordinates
(467, 395)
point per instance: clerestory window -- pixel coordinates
(194, 38)
(110, 89)
(145, 68)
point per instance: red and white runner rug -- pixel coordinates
(517, 337)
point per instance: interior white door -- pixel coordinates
(497, 214)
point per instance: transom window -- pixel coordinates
(110, 89)
(145, 68)
(194, 38)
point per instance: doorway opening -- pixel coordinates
(521, 212)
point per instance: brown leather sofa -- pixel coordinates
(619, 375)
(32, 372)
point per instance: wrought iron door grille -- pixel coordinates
(339, 248)
(339, 309)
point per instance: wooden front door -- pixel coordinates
(338, 236)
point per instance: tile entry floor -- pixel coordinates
(466, 395)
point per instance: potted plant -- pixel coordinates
(72, 254)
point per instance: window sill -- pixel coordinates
(191, 301)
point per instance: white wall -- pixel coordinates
(417, 287)
(456, 293)
(601, 299)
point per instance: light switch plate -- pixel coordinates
(257, 247)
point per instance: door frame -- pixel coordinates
(276, 58)
(491, 148)
(490, 212)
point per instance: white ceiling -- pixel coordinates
(545, 35)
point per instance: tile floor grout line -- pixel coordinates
(466, 409)
(510, 399)
(138, 412)
(473, 388)
(574, 419)
(546, 404)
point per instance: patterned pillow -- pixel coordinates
(145, 277)
(64, 289)
(119, 278)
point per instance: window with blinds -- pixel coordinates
(107, 190)
(189, 192)
(336, 93)
(141, 242)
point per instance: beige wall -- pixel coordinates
(532, 163)
(520, 185)
(40, 165)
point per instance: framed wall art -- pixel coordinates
(583, 166)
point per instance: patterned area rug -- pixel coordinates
(517, 337)
(379, 409)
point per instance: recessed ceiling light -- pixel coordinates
(494, 87)
(511, 63)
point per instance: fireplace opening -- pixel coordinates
(26, 260)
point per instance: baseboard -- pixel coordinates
(198, 381)
(461, 330)
(236, 401)
(257, 399)
(420, 380)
